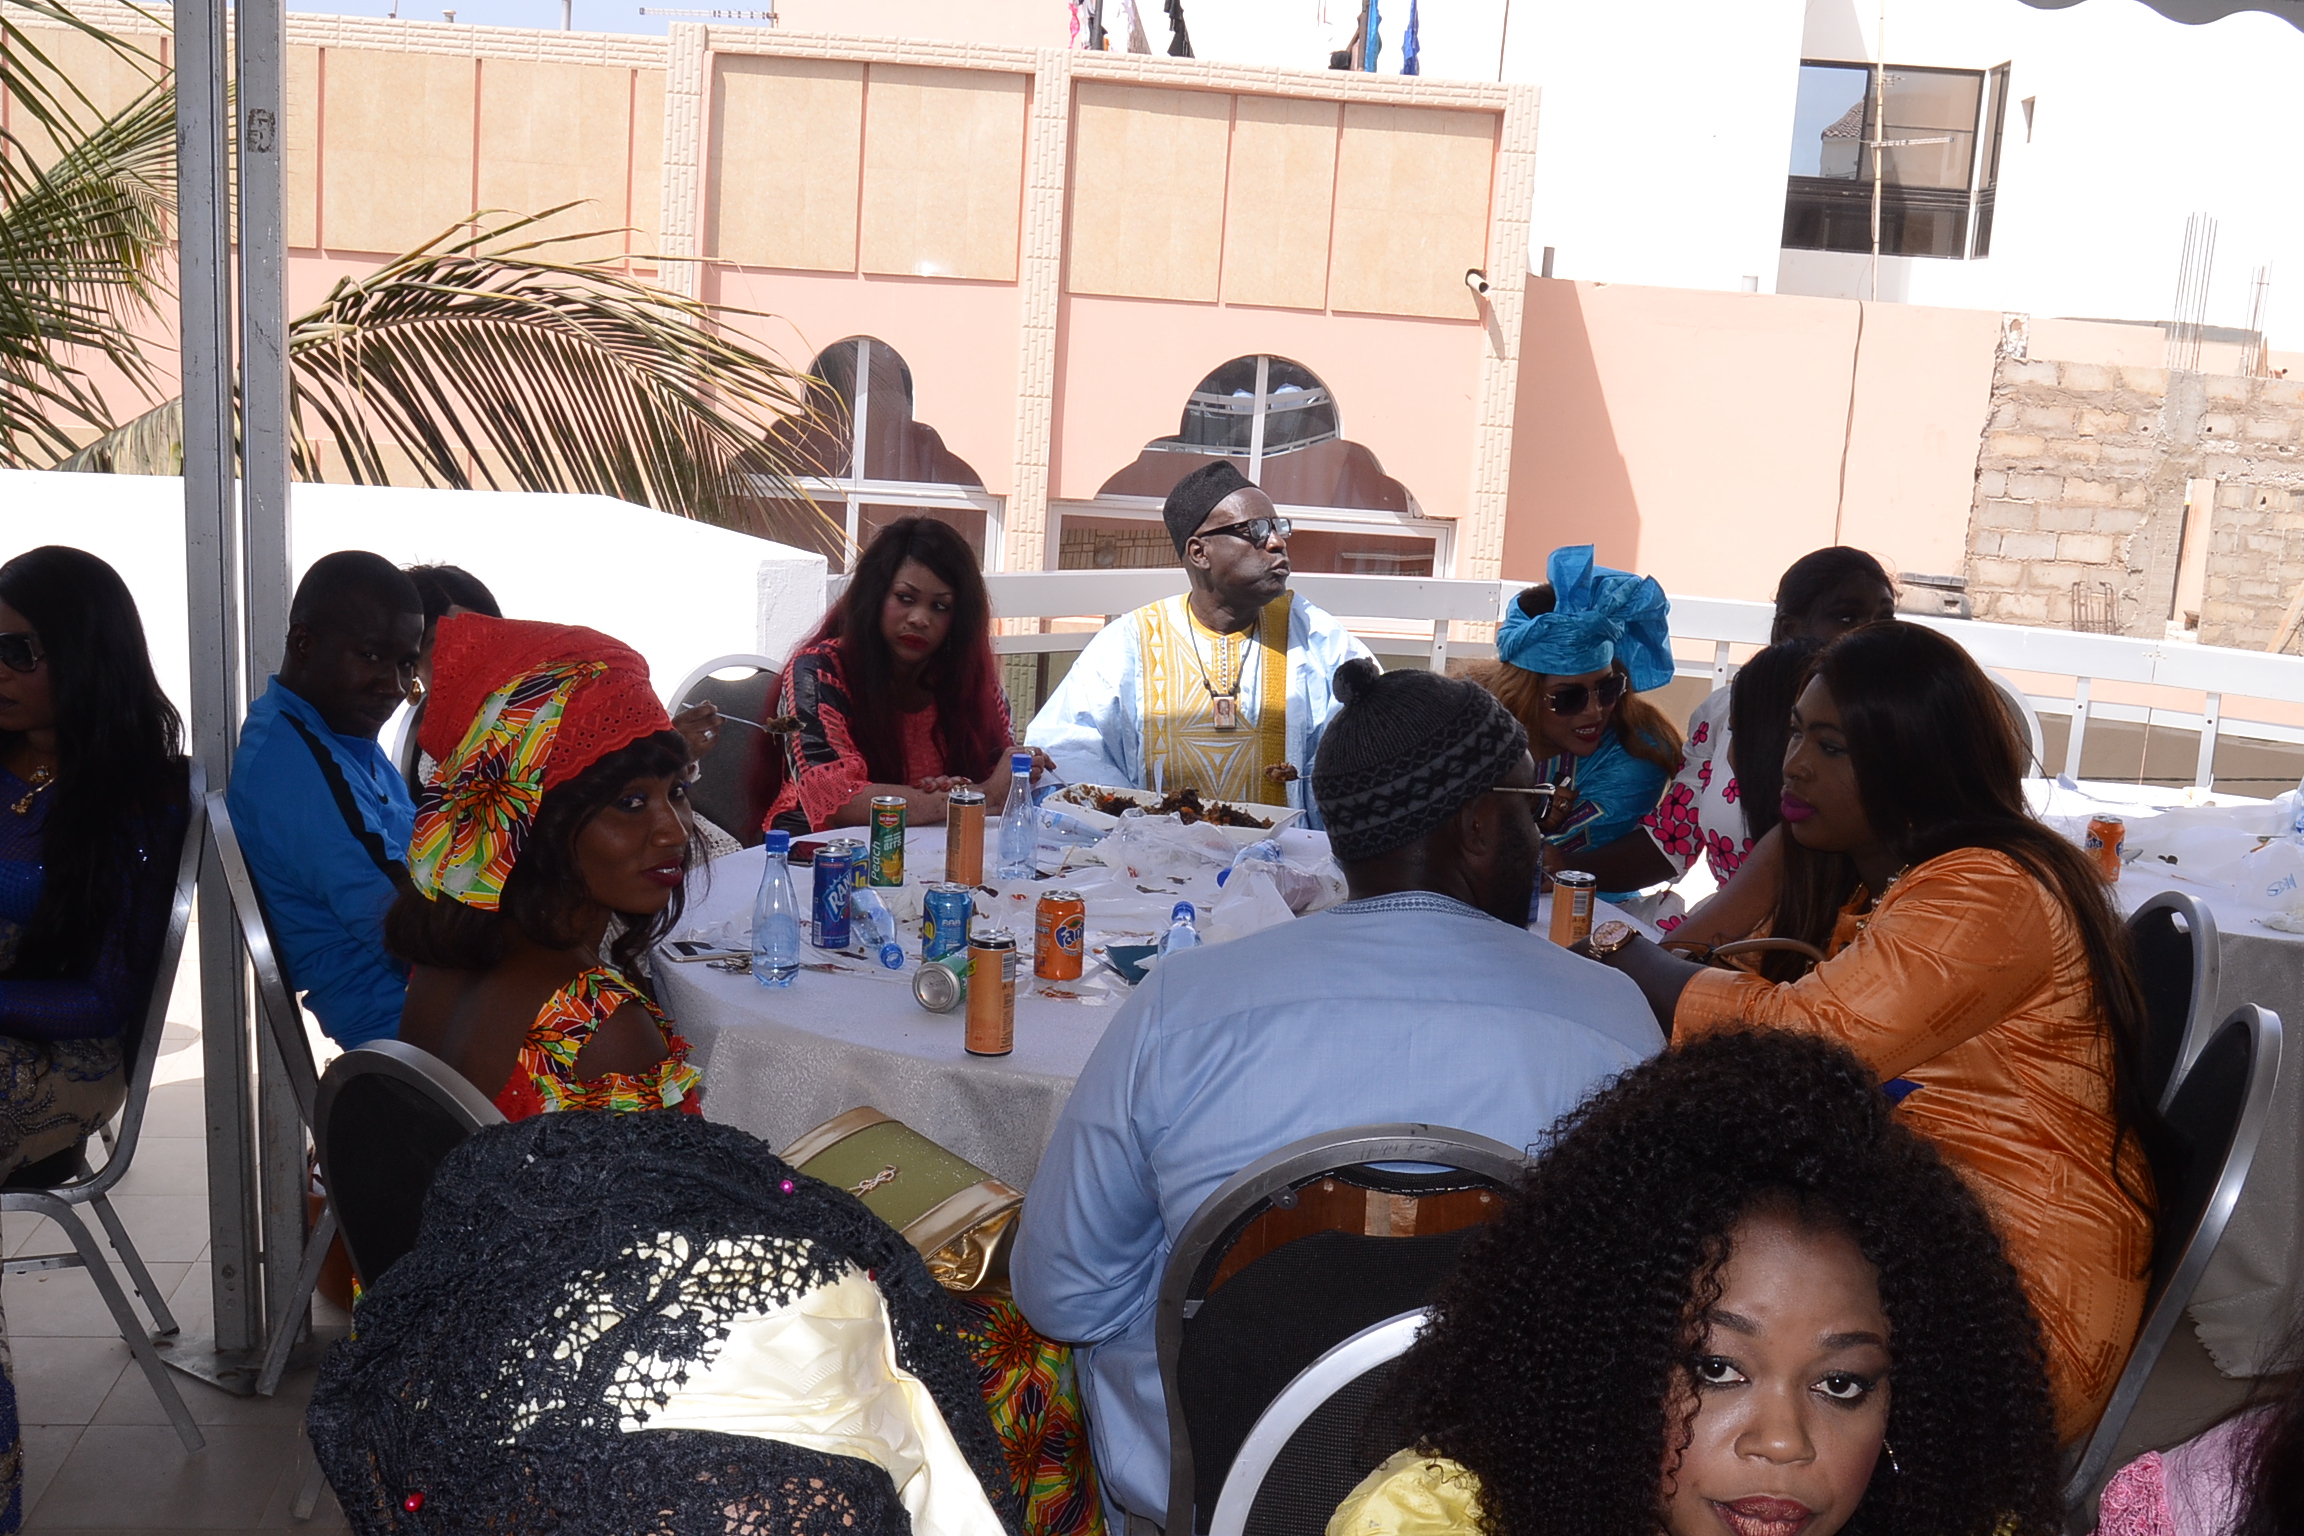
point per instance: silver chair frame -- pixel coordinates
(1400, 1142)
(2207, 977)
(682, 694)
(1343, 1365)
(284, 1020)
(2035, 742)
(93, 1187)
(2167, 1308)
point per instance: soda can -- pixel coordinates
(1060, 936)
(991, 993)
(964, 837)
(1572, 893)
(835, 866)
(944, 914)
(941, 985)
(886, 861)
(2107, 837)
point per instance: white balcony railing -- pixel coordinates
(1411, 615)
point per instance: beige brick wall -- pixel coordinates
(2082, 475)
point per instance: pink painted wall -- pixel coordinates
(958, 338)
(993, 23)
(1406, 389)
(1702, 437)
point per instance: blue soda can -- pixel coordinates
(944, 914)
(837, 865)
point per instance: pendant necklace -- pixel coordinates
(1227, 700)
(39, 779)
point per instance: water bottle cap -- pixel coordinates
(1183, 910)
(892, 956)
(1019, 762)
(779, 842)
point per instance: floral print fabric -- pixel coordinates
(1700, 815)
(1034, 1396)
(544, 1079)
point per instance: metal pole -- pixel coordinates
(212, 568)
(260, 46)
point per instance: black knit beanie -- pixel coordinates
(1196, 495)
(1408, 750)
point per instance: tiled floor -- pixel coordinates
(99, 1455)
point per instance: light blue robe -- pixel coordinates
(1093, 724)
(1410, 1007)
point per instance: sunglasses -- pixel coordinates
(1573, 699)
(1256, 530)
(20, 652)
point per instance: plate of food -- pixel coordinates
(1101, 805)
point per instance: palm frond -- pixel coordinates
(81, 248)
(484, 364)
(41, 92)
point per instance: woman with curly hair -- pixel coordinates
(559, 807)
(1975, 961)
(1734, 1298)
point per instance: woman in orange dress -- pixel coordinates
(1976, 963)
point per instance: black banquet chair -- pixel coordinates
(720, 793)
(2179, 967)
(2217, 1114)
(1296, 1253)
(388, 1115)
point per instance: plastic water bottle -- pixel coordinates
(776, 918)
(875, 927)
(1183, 932)
(1019, 833)
(1263, 851)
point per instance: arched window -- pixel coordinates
(873, 462)
(1283, 426)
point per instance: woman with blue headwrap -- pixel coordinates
(1573, 657)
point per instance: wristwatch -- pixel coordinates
(1612, 936)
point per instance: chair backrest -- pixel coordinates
(388, 1114)
(2178, 962)
(1298, 1251)
(1307, 1449)
(2218, 1116)
(2027, 718)
(722, 791)
(281, 1015)
(142, 1043)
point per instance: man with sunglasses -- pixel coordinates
(1225, 689)
(1423, 998)
(322, 814)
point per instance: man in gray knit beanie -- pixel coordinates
(1424, 781)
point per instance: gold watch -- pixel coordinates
(1612, 936)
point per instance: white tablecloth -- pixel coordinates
(778, 1061)
(2252, 1284)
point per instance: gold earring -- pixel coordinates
(1894, 1465)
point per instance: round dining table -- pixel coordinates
(779, 1061)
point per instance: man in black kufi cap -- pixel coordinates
(1223, 689)
(1422, 999)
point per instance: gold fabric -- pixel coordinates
(1411, 1495)
(1969, 980)
(1183, 664)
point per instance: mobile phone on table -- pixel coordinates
(691, 949)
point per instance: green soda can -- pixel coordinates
(885, 863)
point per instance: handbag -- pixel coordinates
(956, 1215)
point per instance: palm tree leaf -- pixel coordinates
(484, 363)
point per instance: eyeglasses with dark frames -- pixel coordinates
(20, 651)
(1256, 530)
(1574, 698)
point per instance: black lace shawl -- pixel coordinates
(490, 1368)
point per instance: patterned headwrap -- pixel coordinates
(516, 709)
(1601, 616)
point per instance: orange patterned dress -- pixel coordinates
(1968, 982)
(544, 1076)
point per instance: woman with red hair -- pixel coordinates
(897, 692)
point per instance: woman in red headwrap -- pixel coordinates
(559, 803)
